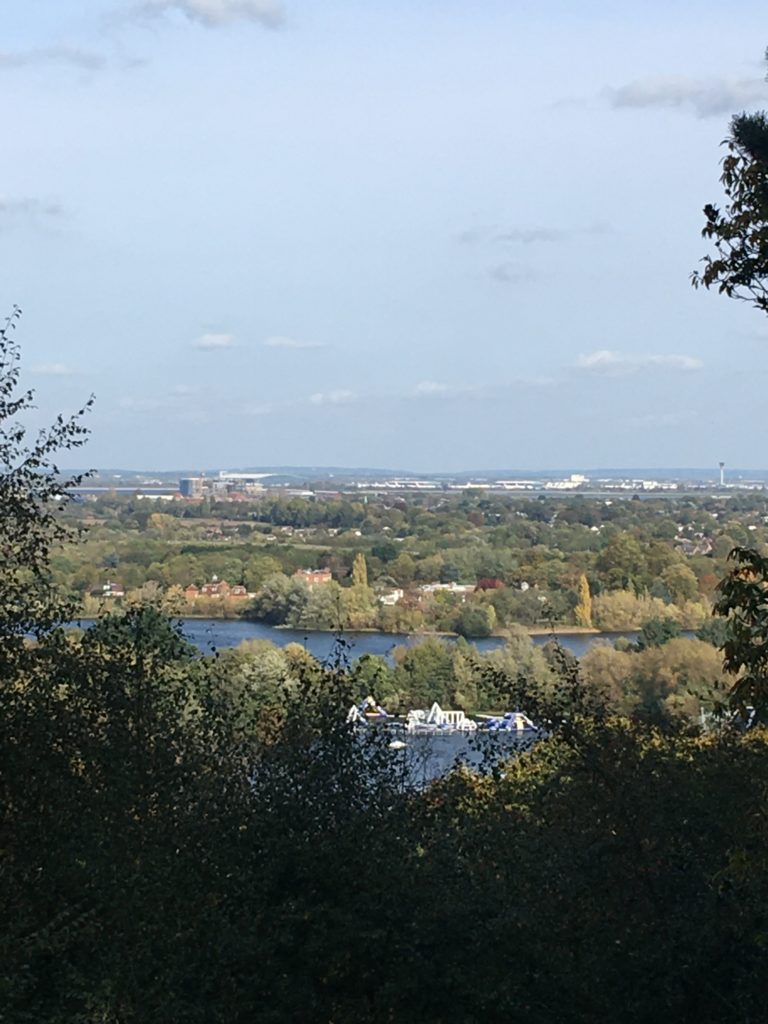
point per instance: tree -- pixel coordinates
(622, 562)
(32, 494)
(743, 600)
(281, 601)
(714, 631)
(359, 601)
(681, 583)
(359, 571)
(324, 608)
(476, 619)
(740, 231)
(656, 632)
(583, 611)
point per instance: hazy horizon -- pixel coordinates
(665, 472)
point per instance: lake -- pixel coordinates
(212, 634)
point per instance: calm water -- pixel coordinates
(429, 757)
(211, 634)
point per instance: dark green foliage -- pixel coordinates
(475, 620)
(657, 632)
(714, 631)
(740, 231)
(31, 495)
(743, 600)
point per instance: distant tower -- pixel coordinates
(722, 473)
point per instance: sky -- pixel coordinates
(433, 236)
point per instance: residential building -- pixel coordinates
(314, 577)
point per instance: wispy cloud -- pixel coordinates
(183, 390)
(428, 389)
(339, 397)
(214, 341)
(136, 404)
(53, 370)
(258, 409)
(661, 419)
(528, 234)
(218, 13)
(432, 387)
(16, 208)
(291, 343)
(511, 273)
(619, 364)
(72, 56)
(705, 97)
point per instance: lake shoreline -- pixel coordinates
(530, 630)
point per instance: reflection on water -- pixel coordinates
(428, 756)
(209, 635)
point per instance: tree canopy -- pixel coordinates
(739, 230)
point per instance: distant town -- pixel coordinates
(242, 485)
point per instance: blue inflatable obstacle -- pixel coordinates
(510, 721)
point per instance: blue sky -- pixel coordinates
(440, 235)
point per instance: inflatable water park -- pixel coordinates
(438, 720)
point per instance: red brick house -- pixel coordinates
(314, 577)
(216, 588)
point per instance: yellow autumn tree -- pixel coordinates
(359, 600)
(359, 571)
(583, 611)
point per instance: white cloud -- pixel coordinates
(617, 364)
(258, 409)
(339, 397)
(214, 341)
(431, 387)
(53, 370)
(141, 404)
(292, 343)
(185, 389)
(706, 97)
(217, 13)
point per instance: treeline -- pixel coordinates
(639, 558)
(661, 677)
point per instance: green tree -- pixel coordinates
(739, 268)
(324, 608)
(743, 601)
(32, 494)
(476, 619)
(424, 673)
(681, 583)
(713, 631)
(622, 562)
(656, 632)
